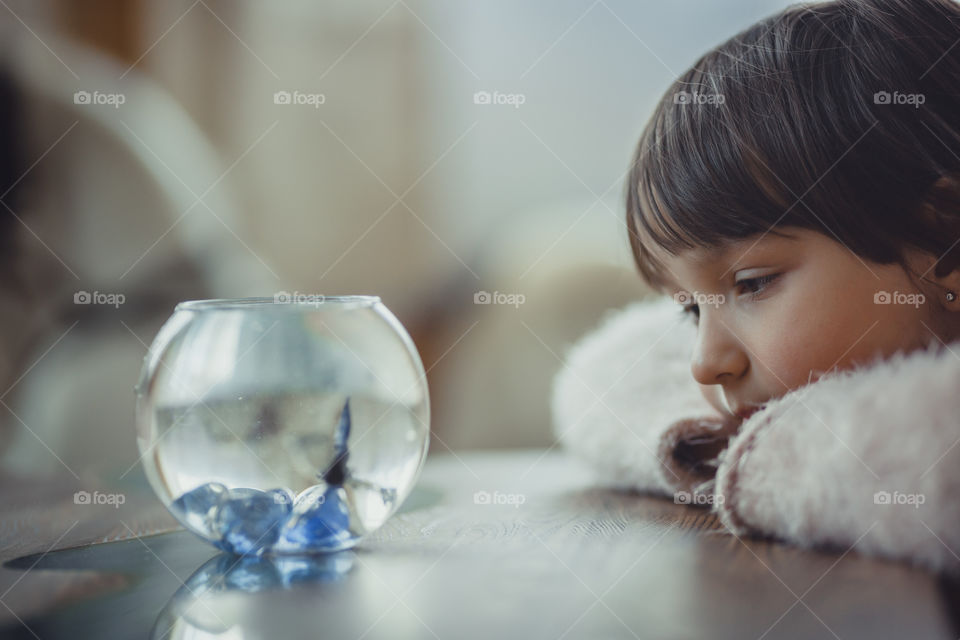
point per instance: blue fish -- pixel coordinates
(337, 473)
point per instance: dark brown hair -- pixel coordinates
(840, 117)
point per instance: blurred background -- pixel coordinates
(419, 150)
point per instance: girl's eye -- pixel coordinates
(755, 286)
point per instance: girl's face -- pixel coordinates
(776, 313)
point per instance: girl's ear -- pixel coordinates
(940, 212)
(923, 271)
(945, 288)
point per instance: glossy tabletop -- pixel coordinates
(508, 544)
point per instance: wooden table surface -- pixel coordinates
(510, 544)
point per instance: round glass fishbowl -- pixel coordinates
(283, 425)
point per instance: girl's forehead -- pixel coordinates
(701, 256)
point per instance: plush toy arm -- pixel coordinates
(867, 459)
(625, 401)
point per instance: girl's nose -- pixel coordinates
(719, 356)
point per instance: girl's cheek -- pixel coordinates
(816, 340)
(785, 348)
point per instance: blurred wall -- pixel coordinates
(439, 150)
(400, 80)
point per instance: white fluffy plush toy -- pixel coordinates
(867, 458)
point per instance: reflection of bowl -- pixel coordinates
(193, 612)
(284, 425)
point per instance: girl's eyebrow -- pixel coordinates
(706, 256)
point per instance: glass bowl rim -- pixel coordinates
(295, 301)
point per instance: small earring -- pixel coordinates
(951, 296)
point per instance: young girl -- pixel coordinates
(797, 192)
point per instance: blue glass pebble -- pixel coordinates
(198, 506)
(250, 520)
(320, 521)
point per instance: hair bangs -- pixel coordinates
(698, 180)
